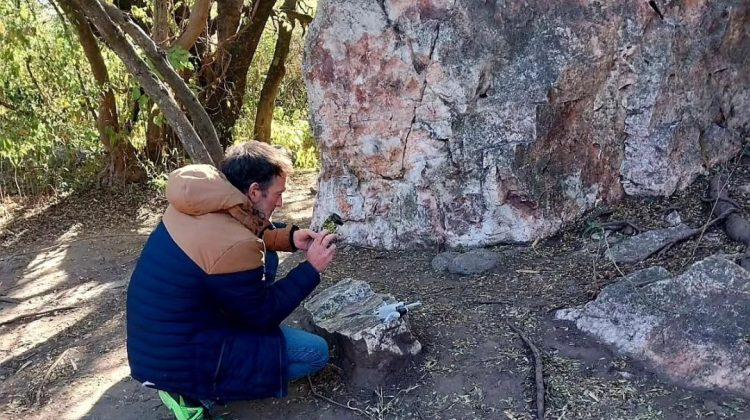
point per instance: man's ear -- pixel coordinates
(253, 191)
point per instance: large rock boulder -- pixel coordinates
(369, 348)
(468, 123)
(693, 329)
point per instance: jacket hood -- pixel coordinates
(202, 189)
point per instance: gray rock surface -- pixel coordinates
(636, 248)
(673, 218)
(369, 349)
(465, 263)
(468, 123)
(720, 144)
(692, 328)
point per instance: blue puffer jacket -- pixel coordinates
(201, 319)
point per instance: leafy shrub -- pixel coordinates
(293, 132)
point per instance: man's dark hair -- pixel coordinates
(254, 161)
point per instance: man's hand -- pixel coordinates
(321, 251)
(303, 238)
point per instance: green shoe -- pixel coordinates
(181, 410)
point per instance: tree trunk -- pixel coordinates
(156, 133)
(227, 79)
(274, 77)
(122, 164)
(151, 84)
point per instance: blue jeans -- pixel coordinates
(307, 353)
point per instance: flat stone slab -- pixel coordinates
(465, 263)
(637, 248)
(692, 329)
(369, 349)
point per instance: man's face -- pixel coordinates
(269, 200)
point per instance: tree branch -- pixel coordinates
(150, 83)
(203, 125)
(196, 25)
(8, 105)
(225, 98)
(27, 62)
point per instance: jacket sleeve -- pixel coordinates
(252, 302)
(280, 237)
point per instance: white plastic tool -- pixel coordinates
(392, 311)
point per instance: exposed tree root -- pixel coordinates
(736, 227)
(689, 234)
(37, 314)
(622, 226)
(538, 372)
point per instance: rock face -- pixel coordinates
(693, 329)
(370, 350)
(471, 122)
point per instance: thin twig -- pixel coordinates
(609, 253)
(419, 413)
(538, 371)
(37, 314)
(48, 373)
(336, 403)
(690, 233)
(724, 199)
(45, 101)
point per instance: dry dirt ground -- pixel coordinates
(65, 264)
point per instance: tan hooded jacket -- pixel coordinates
(216, 225)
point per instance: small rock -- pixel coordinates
(470, 262)
(712, 406)
(371, 350)
(673, 218)
(625, 375)
(443, 260)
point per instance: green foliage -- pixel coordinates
(592, 227)
(179, 58)
(293, 132)
(48, 101)
(48, 139)
(332, 223)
